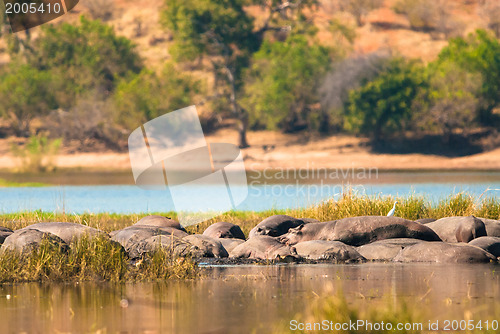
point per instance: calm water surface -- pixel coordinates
(245, 298)
(275, 192)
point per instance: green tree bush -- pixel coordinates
(283, 82)
(83, 57)
(25, 92)
(148, 95)
(478, 53)
(382, 107)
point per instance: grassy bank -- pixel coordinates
(412, 208)
(101, 259)
(95, 259)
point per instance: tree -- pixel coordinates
(25, 92)
(452, 99)
(148, 95)
(283, 82)
(222, 32)
(382, 107)
(478, 53)
(359, 8)
(84, 57)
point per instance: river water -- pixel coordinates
(271, 191)
(242, 299)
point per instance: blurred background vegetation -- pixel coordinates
(291, 66)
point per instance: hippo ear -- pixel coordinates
(300, 227)
(219, 234)
(259, 229)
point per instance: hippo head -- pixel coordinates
(293, 236)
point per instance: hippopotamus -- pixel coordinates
(492, 227)
(275, 226)
(69, 232)
(159, 221)
(425, 220)
(230, 244)
(458, 229)
(26, 240)
(177, 246)
(489, 244)
(327, 250)
(443, 252)
(224, 230)
(307, 232)
(385, 250)
(4, 233)
(357, 231)
(263, 247)
(131, 236)
(209, 246)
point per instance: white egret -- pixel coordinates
(391, 213)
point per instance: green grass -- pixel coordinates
(91, 259)
(412, 207)
(5, 183)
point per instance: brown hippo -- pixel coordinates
(492, 227)
(230, 244)
(458, 229)
(4, 233)
(307, 232)
(443, 252)
(224, 230)
(131, 236)
(159, 221)
(489, 244)
(275, 226)
(69, 232)
(357, 231)
(209, 246)
(26, 240)
(327, 250)
(385, 250)
(263, 247)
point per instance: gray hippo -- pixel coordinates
(27, 240)
(307, 232)
(159, 221)
(209, 246)
(443, 252)
(425, 220)
(458, 229)
(357, 231)
(327, 250)
(489, 244)
(131, 236)
(177, 246)
(263, 247)
(4, 233)
(230, 244)
(224, 230)
(69, 232)
(385, 250)
(275, 226)
(492, 227)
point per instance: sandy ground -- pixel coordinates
(288, 151)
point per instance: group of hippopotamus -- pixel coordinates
(280, 237)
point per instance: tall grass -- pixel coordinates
(95, 259)
(412, 207)
(38, 154)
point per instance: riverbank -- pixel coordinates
(275, 150)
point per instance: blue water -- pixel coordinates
(131, 199)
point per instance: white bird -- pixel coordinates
(391, 213)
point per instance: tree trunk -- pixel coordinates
(238, 112)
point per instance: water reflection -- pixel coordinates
(245, 298)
